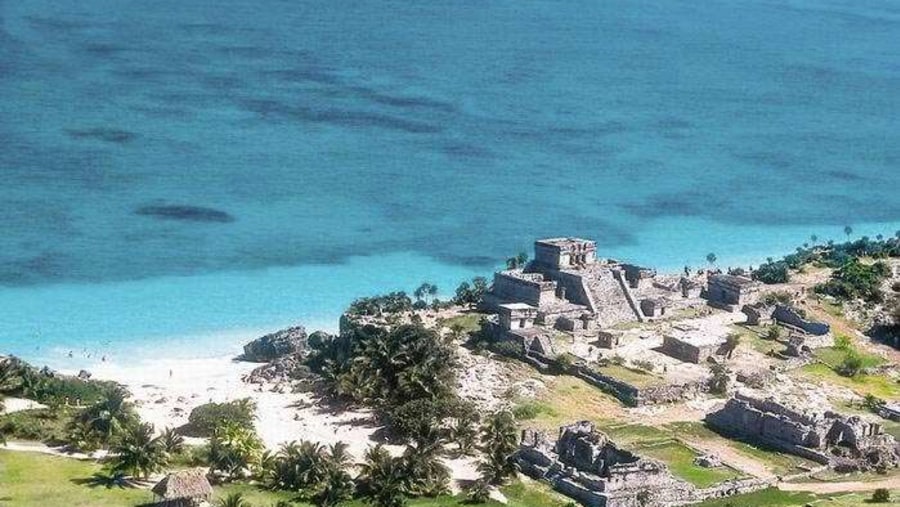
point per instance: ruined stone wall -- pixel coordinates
(788, 315)
(509, 288)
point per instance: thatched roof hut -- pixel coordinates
(184, 488)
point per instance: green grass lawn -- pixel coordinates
(778, 463)
(660, 444)
(637, 378)
(834, 356)
(38, 480)
(878, 385)
(570, 399)
(468, 322)
(778, 498)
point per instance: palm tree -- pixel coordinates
(172, 442)
(848, 231)
(138, 453)
(337, 488)
(338, 456)
(711, 258)
(109, 417)
(426, 473)
(499, 440)
(522, 259)
(233, 500)
(814, 239)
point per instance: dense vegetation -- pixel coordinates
(853, 279)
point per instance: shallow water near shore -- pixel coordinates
(180, 176)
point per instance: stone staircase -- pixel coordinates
(611, 301)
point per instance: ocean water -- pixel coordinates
(179, 175)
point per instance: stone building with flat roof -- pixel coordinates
(731, 291)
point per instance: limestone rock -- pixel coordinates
(276, 345)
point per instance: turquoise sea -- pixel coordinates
(178, 175)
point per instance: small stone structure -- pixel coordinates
(565, 253)
(758, 314)
(516, 316)
(654, 307)
(829, 438)
(890, 411)
(586, 465)
(789, 316)
(583, 324)
(638, 277)
(692, 348)
(608, 339)
(731, 291)
(690, 289)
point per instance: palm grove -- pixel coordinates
(404, 373)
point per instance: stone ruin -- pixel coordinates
(845, 443)
(584, 464)
(731, 292)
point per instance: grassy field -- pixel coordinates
(778, 498)
(878, 385)
(468, 322)
(662, 445)
(39, 480)
(637, 378)
(834, 356)
(568, 399)
(776, 462)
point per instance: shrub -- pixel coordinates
(772, 272)
(204, 419)
(881, 495)
(851, 365)
(773, 333)
(45, 425)
(843, 342)
(857, 280)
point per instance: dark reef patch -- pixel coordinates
(185, 213)
(107, 135)
(844, 175)
(339, 117)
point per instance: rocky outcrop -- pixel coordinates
(276, 345)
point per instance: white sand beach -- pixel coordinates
(165, 392)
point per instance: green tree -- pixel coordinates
(234, 450)
(107, 418)
(172, 442)
(881, 495)
(337, 488)
(499, 441)
(814, 239)
(851, 365)
(383, 479)
(711, 259)
(848, 231)
(478, 492)
(522, 259)
(425, 472)
(138, 453)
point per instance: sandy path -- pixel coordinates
(45, 449)
(840, 487)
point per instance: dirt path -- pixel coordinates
(731, 457)
(45, 449)
(840, 487)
